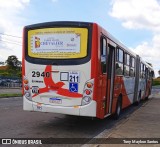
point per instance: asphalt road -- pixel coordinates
(16, 123)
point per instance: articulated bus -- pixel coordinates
(78, 68)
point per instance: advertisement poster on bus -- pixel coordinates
(57, 43)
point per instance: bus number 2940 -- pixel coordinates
(40, 74)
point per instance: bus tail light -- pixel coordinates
(27, 92)
(88, 92)
(25, 81)
(89, 85)
(26, 87)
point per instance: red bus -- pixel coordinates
(78, 68)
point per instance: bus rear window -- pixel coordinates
(58, 43)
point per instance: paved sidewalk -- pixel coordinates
(143, 123)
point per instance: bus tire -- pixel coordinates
(139, 99)
(118, 109)
(146, 98)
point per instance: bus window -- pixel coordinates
(126, 70)
(117, 54)
(150, 74)
(127, 63)
(103, 54)
(142, 70)
(52, 45)
(132, 62)
(119, 63)
(132, 67)
(127, 59)
(120, 56)
(146, 73)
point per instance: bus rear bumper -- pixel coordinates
(86, 110)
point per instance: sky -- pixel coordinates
(136, 23)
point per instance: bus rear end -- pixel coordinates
(57, 68)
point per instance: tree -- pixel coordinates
(13, 62)
(2, 63)
(13, 67)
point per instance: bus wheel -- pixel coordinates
(118, 109)
(146, 98)
(139, 99)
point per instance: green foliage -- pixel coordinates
(10, 95)
(4, 74)
(10, 73)
(12, 61)
(14, 68)
(156, 82)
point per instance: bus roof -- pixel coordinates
(59, 23)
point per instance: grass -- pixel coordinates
(10, 95)
(156, 81)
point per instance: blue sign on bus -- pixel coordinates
(73, 87)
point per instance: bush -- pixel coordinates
(156, 82)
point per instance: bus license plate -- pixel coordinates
(55, 100)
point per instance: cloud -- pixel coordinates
(141, 14)
(137, 14)
(150, 51)
(11, 22)
(9, 13)
(13, 4)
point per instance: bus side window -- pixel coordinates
(150, 75)
(146, 73)
(142, 70)
(132, 66)
(119, 62)
(127, 64)
(103, 54)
